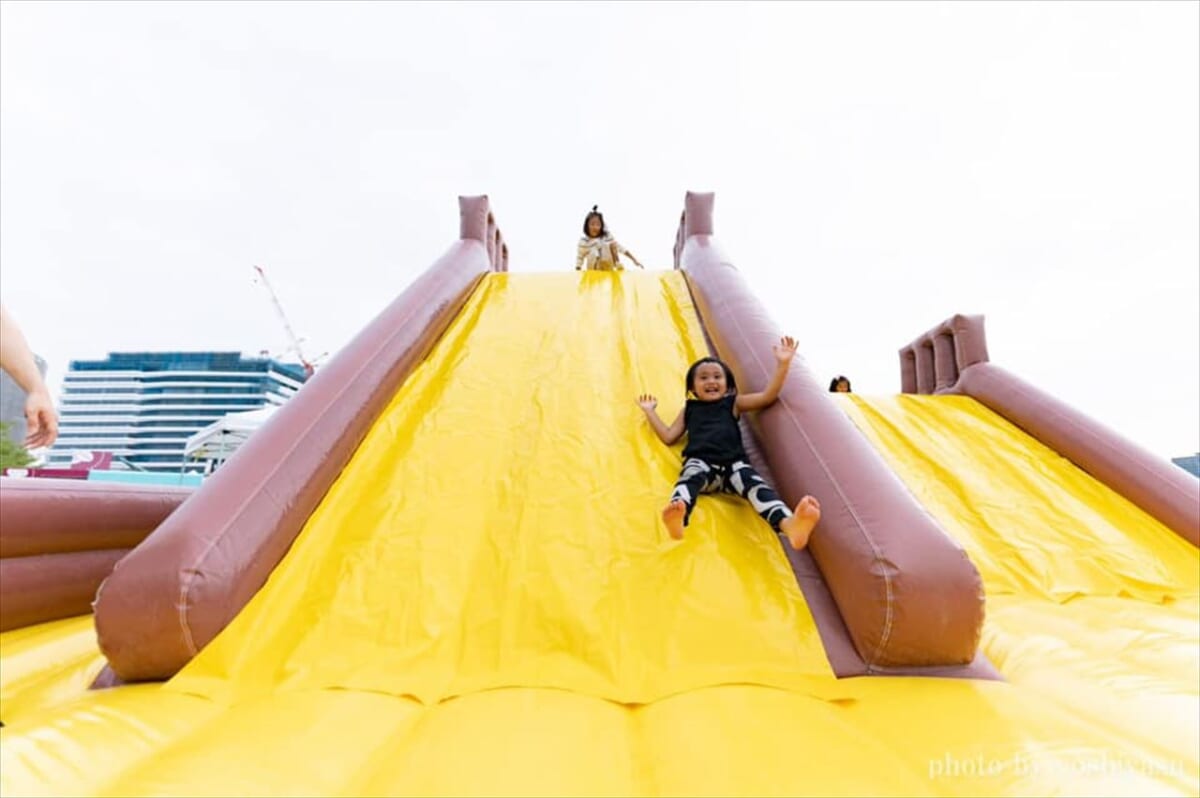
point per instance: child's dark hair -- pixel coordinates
(588, 218)
(833, 384)
(730, 382)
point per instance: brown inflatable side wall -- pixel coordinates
(46, 587)
(909, 595)
(933, 362)
(44, 516)
(187, 581)
(59, 539)
(1158, 486)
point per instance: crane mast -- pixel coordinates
(287, 326)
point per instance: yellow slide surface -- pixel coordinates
(1091, 602)
(45, 664)
(486, 603)
(499, 526)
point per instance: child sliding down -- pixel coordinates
(714, 459)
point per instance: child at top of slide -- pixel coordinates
(598, 249)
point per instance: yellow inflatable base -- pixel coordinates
(486, 604)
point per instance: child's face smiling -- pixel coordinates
(594, 226)
(709, 382)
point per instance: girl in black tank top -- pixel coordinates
(712, 430)
(714, 458)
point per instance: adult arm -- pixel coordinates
(17, 359)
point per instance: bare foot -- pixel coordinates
(799, 527)
(673, 517)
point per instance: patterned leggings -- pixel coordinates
(738, 477)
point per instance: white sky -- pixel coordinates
(878, 168)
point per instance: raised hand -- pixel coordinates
(647, 402)
(785, 350)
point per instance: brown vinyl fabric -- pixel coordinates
(933, 362)
(835, 638)
(47, 587)
(44, 516)
(907, 593)
(1158, 486)
(174, 593)
(59, 539)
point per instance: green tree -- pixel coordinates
(12, 455)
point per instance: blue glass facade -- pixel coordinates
(1189, 464)
(143, 406)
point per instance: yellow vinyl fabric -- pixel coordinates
(486, 603)
(45, 664)
(1092, 604)
(499, 526)
(1032, 522)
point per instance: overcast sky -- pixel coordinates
(878, 168)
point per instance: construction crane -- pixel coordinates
(309, 367)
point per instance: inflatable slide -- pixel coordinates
(440, 570)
